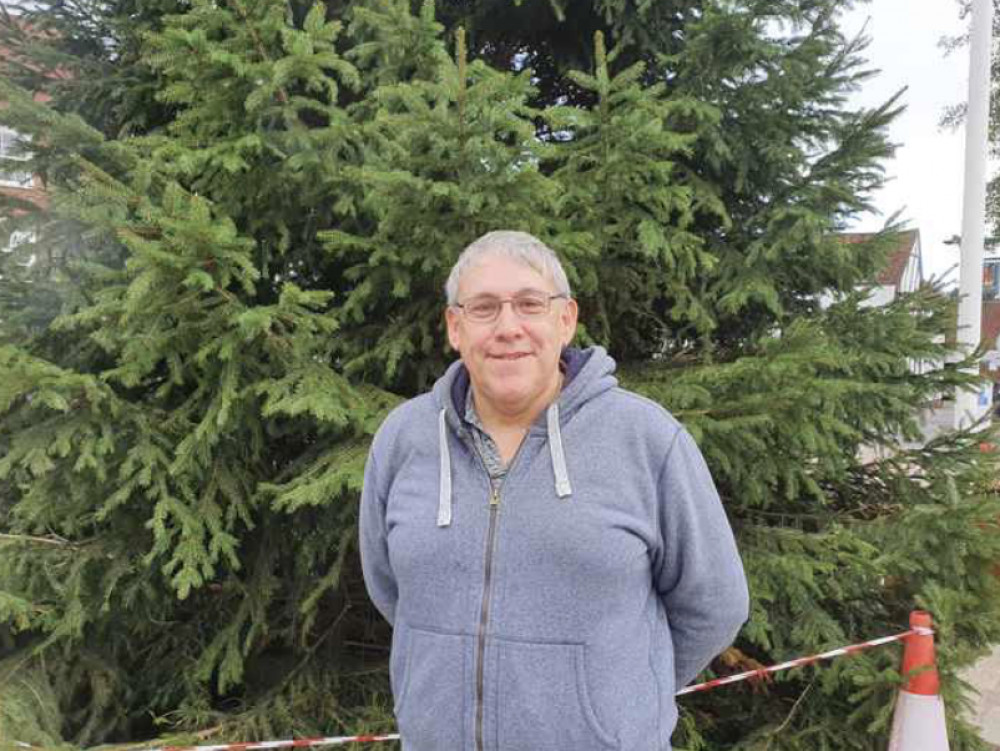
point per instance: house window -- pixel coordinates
(13, 145)
(991, 279)
(20, 237)
(16, 239)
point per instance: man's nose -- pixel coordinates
(508, 321)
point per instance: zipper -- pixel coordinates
(484, 612)
(484, 616)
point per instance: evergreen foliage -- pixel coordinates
(252, 209)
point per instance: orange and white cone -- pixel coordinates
(918, 723)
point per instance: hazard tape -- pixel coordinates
(343, 740)
(802, 661)
(337, 740)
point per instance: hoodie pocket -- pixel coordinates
(430, 708)
(543, 700)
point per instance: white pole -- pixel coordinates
(969, 406)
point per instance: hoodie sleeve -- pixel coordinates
(379, 579)
(699, 575)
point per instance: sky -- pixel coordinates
(925, 176)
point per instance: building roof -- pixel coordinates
(899, 256)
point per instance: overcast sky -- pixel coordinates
(926, 173)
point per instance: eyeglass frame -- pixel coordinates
(503, 300)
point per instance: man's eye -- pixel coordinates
(531, 305)
(481, 308)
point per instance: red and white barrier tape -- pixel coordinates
(343, 740)
(337, 740)
(802, 661)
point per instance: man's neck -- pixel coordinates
(499, 420)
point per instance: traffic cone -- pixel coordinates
(918, 723)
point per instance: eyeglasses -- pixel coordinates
(486, 309)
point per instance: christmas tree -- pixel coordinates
(252, 210)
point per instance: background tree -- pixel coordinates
(954, 116)
(265, 202)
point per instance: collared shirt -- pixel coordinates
(487, 448)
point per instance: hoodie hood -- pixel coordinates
(588, 374)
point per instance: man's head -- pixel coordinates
(509, 315)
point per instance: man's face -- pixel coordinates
(512, 361)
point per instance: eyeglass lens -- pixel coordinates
(488, 308)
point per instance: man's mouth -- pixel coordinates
(511, 356)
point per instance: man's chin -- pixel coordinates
(511, 375)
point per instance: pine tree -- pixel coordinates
(253, 242)
(203, 433)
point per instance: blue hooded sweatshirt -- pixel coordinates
(563, 612)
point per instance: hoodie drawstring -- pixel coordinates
(444, 498)
(563, 488)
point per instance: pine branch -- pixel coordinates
(258, 43)
(51, 540)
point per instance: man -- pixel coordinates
(550, 548)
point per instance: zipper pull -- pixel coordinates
(494, 498)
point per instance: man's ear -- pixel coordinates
(451, 319)
(567, 320)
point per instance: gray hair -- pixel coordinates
(518, 246)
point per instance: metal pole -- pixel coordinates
(970, 406)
